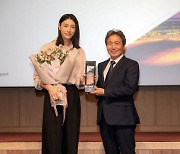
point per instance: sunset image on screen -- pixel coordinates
(158, 53)
(161, 46)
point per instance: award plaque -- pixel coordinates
(90, 76)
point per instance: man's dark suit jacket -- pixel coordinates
(117, 104)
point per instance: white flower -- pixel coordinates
(49, 52)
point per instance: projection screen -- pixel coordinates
(151, 28)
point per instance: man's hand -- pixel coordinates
(98, 91)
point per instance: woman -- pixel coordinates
(58, 136)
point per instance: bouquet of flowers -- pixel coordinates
(47, 64)
(50, 55)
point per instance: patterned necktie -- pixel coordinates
(110, 69)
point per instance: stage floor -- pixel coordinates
(90, 143)
(94, 137)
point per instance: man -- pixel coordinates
(117, 115)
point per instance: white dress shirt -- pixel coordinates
(109, 63)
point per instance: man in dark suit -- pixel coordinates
(116, 85)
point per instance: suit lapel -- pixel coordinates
(117, 66)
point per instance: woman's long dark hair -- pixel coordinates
(76, 37)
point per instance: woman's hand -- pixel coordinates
(87, 79)
(53, 91)
(82, 80)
